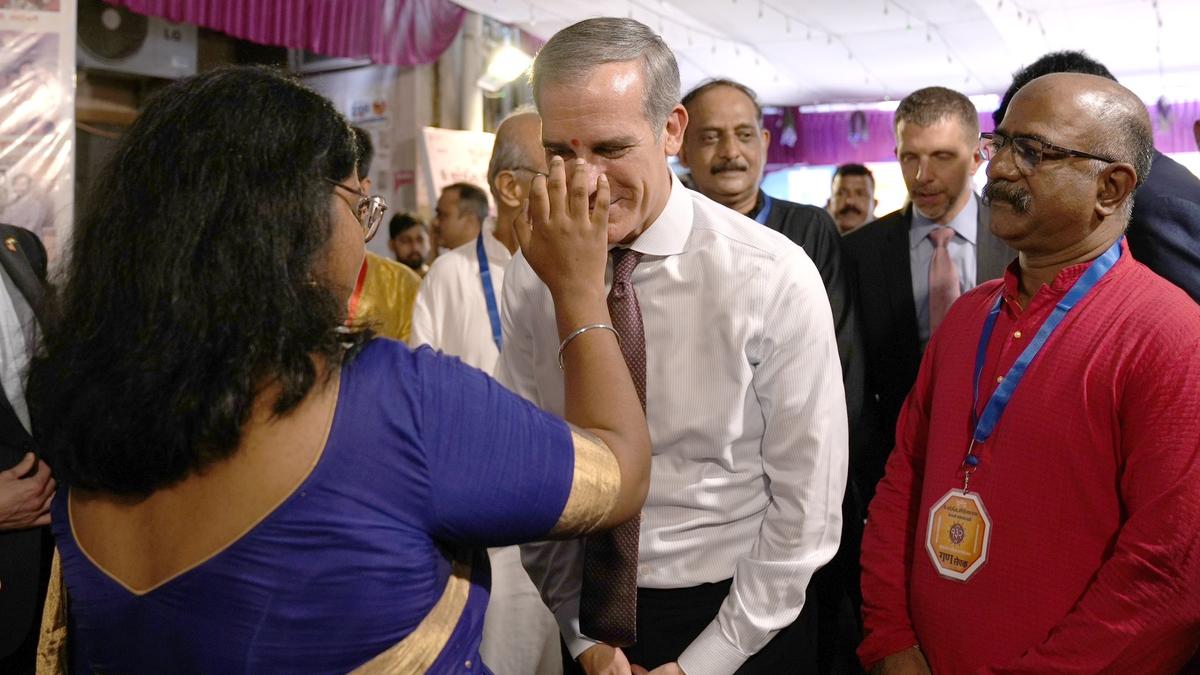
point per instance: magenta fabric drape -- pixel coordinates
(396, 32)
(831, 139)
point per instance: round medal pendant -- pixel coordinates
(957, 534)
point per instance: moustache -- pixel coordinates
(1018, 198)
(729, 166)
(849, 209)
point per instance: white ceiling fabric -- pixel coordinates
(796, 52)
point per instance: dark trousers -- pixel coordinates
(668, 620)
(23, 660)
(836, 591)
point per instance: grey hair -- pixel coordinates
(507, 153)
(926, 107)
(1124, 133)
(576, 50)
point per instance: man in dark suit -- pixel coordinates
(894, 261)
(1164, 230)
(25, 483)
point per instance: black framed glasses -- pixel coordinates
(369, 209)
(1029, 152)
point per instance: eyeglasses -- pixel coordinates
(525, 168)
(1029, 152)
(369, 209)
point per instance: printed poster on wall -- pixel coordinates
(451, 156)
(37, 125)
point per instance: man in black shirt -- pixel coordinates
(725, 147)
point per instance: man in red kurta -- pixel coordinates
(1074, 545)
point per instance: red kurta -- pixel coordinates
(1091, 479)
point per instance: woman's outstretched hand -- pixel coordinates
(565, 241)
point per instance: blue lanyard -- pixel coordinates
(986, 423)
(489, 293)
(765, 211)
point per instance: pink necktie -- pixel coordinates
(608, 597)
(943, 277)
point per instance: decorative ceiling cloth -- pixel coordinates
(396, 32)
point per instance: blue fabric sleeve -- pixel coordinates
(499, 468)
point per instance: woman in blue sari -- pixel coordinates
(248, 485)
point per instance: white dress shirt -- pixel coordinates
(450, 312)
(747, 420)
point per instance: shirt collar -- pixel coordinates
(668, 234)
(759, 203)
(965, 224)
(492, 246)
(1063, 281)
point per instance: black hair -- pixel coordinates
(193, 283)
(723, 82)
(853, 170)
(471, 199)
(403, 222)
(1054, 62)
(366, 152)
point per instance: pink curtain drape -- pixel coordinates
(837, 138)
(833, 138)
(396, 32)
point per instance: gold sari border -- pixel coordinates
(52, 637)
(420, 648)
(594, 487)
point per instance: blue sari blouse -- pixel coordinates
(378, 554)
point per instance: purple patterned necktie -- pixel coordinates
(608, 598)
(943, 277)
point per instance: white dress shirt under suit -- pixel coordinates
(747, 419)
(962, 254)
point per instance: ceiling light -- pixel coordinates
(507, 64)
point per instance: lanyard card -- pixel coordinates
(957, 534)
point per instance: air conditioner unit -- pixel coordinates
(117, 40)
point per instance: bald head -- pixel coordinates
(1105, 115)
(518, 149)
(517, 157)
(1065, 186)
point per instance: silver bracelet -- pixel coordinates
(580, 331)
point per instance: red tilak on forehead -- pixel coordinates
(575, 142)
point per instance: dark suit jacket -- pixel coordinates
(1164, 231)
(22, 552)
(878, 256)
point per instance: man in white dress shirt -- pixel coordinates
(452, 313)
(741, 380)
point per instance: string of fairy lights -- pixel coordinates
(675, 24)
(657, 14)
